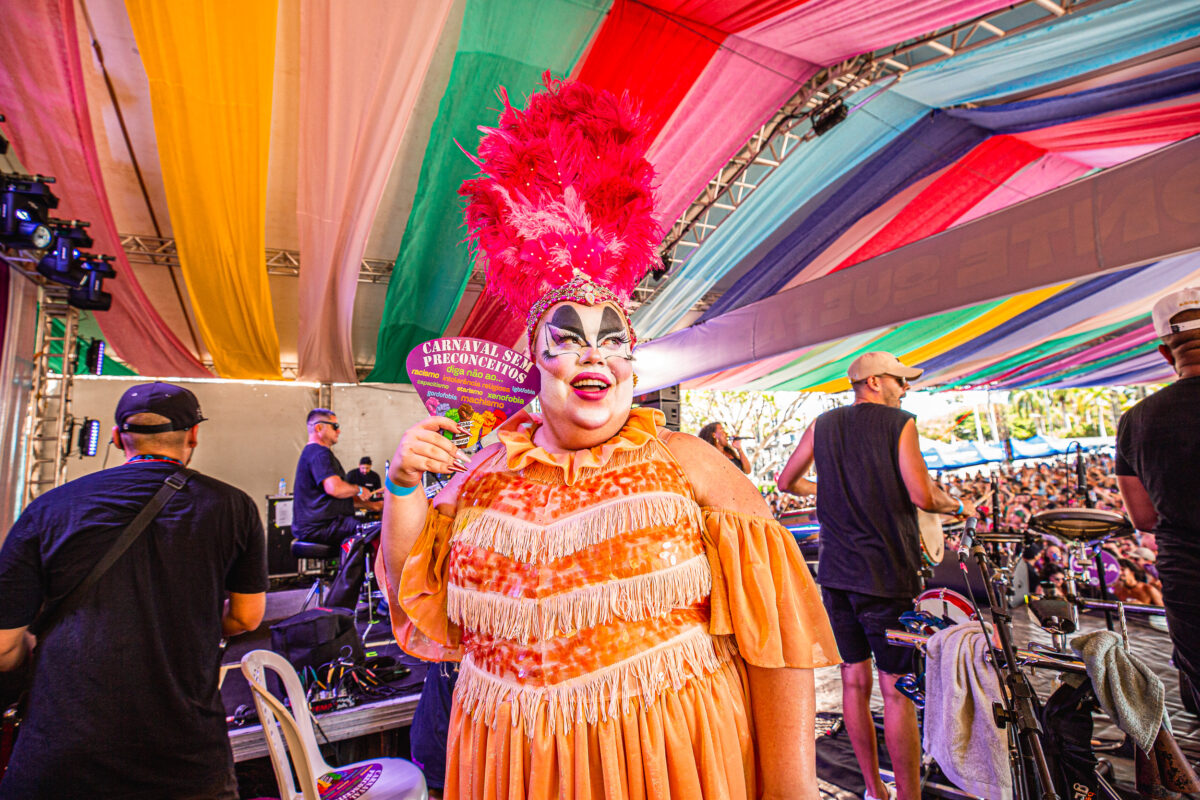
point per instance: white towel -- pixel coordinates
(1128, 690)
(960, 731)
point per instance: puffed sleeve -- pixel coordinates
(763, 594)
(421, 625)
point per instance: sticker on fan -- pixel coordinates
(348, 784)
(477, 383)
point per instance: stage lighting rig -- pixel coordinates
(89, 437)
(827, 115)
(95, 357)
(89, 294)
(25, 202)
(61, 263)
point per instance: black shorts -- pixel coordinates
(860, 623)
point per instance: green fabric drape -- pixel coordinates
(506, 44)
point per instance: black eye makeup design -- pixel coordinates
(566, 335)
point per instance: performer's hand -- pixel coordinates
(423, 449)
(968, 508)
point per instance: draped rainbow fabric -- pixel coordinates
(498, 46)
(210, 64)
(41, 89)
(361, 68)
(1072, 46)
(655, 52)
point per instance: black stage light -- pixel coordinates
(25, 201)
(61, 263)
(827, 115)
(3, 141)
(89, 437)
(95, 357)
(89, 295)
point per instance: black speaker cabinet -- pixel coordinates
(280, 560)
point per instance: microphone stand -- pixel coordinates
(1017, 713)
(1085, 500)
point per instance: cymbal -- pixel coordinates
(1080, 524)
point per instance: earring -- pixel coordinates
(635, 380)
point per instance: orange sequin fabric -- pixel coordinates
(578, 591)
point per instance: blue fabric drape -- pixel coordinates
(1030, 115)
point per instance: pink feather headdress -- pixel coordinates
(563, 208)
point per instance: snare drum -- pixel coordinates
(933, 541)
(945, 603)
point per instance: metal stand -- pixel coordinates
(1017, 713)
(48, 419)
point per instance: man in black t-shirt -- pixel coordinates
(1157, 443)
(365, 476)
(872, 480)
(323, 501)
(124, 701)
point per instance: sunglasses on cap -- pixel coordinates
(333, 425)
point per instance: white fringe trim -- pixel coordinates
(528, 541)
(598, 695)
(635, 598)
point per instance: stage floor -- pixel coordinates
(1151, 645)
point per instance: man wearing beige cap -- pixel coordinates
(872, 480)
(1157, 443)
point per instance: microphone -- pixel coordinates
(969, 541)
(739, 438)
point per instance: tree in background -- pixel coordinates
(774, 422)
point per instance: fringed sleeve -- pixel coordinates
(421, 625)
(763, 594)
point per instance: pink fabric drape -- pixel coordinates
(45, 102)
(1112, 347)
(1136, 128)
(1047, 173)
(362, 65)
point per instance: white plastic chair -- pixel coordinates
(391, 778)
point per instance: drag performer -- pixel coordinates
(630, 621)
(1157, 442)
(872, 480)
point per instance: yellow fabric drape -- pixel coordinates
(1005, 311)
(211, 65)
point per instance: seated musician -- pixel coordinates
(324, 501)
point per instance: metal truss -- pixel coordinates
(48, 420)
(792, 124)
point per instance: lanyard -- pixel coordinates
(148, 457)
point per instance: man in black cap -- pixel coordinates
(365, 476)
(124, 700)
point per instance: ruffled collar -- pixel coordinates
(641, 427)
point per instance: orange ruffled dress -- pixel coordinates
(603, 620)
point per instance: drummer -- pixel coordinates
(872, 481)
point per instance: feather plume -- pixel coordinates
(564, 190)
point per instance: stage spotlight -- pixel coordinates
(95, 357)
(61, 262)
(827, 115)
(25, 201)
(89, 437)
(89, 295)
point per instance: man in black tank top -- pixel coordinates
(872, 480)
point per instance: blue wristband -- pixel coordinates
(398, 491)
(960, 508)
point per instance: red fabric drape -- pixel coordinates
(43, 96)
(962, 186)
(1138, 127)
